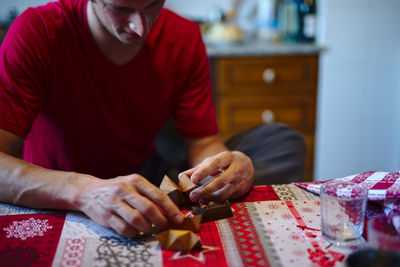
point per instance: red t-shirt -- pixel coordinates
(79, 111)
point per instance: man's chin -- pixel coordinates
(129, 40)
(125, 43)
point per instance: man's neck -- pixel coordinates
(111, 48)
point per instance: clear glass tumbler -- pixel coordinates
(342, 213)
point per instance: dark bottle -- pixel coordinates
(308, 21)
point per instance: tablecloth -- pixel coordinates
(276, 225)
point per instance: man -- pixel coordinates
(88, 85)
(85, 87)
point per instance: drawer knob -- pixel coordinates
(269, 76)
(267, 116)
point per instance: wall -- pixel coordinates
(20, 5)
(358, 111)
(197, 9)
(193, 9)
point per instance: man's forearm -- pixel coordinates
(200, 149)
(29, 185)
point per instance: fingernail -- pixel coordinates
(194, 196)
(194, 178)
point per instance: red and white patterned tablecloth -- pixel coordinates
(276, 225)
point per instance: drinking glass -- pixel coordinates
(342, 213)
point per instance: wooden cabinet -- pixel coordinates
(263, 89)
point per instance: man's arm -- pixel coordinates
(128, 204)
(29, 185)
(209, 155)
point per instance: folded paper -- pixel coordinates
(179, 194)
(214, 211)
(191, 223)
(179, 240)
(185, 184)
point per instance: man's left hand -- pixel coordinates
(235, 179)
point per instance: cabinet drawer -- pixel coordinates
(276, 74)
(237, 114)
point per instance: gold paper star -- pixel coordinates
(197, 255)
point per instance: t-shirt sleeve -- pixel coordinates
(194, 115)
(23, 57)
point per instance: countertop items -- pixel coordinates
(223, 32)
(255, 47)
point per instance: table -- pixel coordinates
(276, 225)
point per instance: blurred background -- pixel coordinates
(357, 125)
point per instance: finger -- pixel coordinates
(211, 187)
(148, 210)
(189, 171)
(242, 189)
(121, 227)
(222, 194)
(166, 205)
(204, 180)
(133, 217)
(211, 165)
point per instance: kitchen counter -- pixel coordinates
(260, 48)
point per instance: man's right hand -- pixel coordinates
(128, 204)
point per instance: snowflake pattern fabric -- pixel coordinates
(27, 228)
(29, 239)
